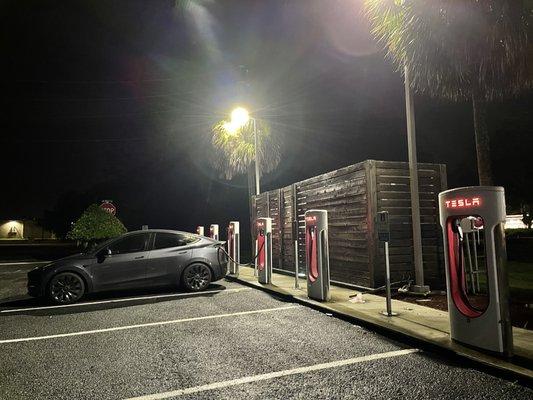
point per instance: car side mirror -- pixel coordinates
(103, 254)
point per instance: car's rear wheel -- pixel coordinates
(66, 288)
(196, 277)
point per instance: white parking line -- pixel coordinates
(273, 375)
(123, 328)
(160, 296)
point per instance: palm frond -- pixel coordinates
(452, 47)
(234, 153)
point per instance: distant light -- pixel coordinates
(239, 117)
(514, 222)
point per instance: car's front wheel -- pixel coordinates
(66, 288)
(196, 277)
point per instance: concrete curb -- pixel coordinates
(492, 364)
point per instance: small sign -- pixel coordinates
(108, 206)
(383, 226)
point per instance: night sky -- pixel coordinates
(115, 100)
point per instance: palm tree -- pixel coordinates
(474, 50)
(235, 151)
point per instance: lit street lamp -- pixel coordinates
(239, 118)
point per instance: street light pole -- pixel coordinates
(419, 286)
(257, 187)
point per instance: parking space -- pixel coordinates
(229, 342)
(13, 279)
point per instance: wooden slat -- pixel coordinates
(352, 196)
(333, 174)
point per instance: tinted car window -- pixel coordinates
(166, 240)
(130, 244)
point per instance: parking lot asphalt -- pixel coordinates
(230, 342)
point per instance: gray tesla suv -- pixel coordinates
(139, 259)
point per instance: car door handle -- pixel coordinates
(138, 258)
(182, 252)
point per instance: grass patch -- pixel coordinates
(520, 277)
(522, 232)
(520, 281)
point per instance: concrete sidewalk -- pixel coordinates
(422, 323)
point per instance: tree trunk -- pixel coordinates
(481, 133)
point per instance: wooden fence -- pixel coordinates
(353, 195)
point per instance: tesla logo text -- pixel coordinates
(464, 202)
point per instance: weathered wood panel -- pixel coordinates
(288, 218)
(343, 194)
(353, 195)
(393, 195)
(274, 201)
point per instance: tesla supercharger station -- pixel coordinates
(317, 254)
(213, 231)
(264, 246)
(200, 230)
(234, 247)
(472, 220)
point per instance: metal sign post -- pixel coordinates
(295, 235)
(296, 277)
(383, 228)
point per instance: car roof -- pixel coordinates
(160, 231)
(170, 231)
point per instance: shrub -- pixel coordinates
(95, 225)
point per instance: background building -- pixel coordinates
(23, 229)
